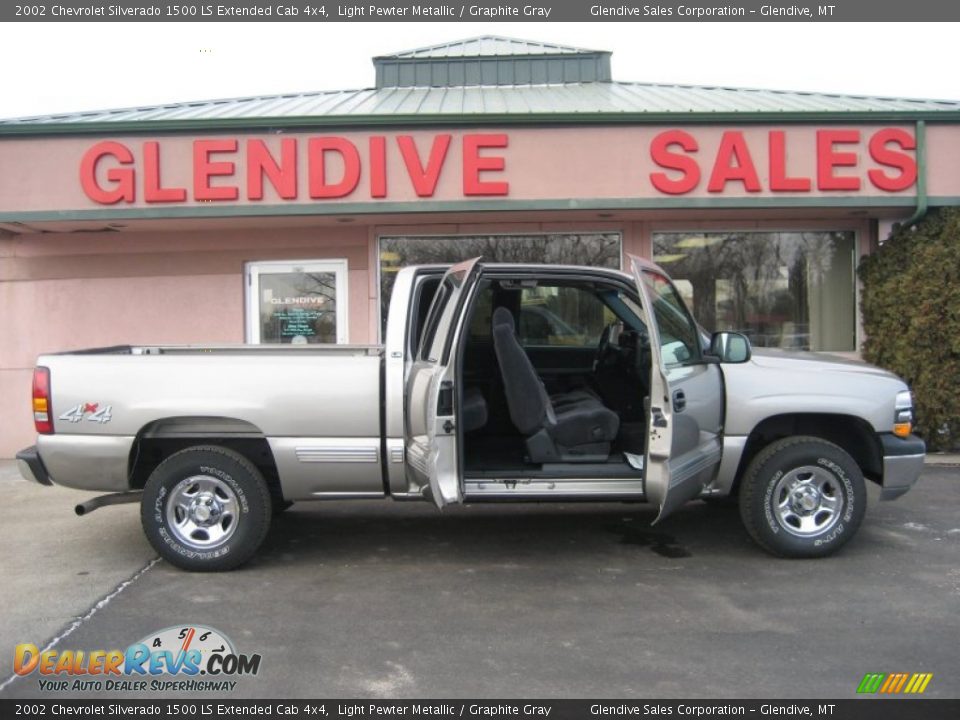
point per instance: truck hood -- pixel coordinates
(813, 362)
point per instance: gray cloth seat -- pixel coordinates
(572, 427)
(474, 411)
(573, 396)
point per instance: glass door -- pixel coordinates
(297, 302)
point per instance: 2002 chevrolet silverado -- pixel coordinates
(456, 406)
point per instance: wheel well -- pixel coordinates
(853, 434)
(159, 440)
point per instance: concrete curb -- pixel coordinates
(942, 459)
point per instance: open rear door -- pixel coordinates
(685, 417)
(430, 410)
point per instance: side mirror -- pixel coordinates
(730, 347)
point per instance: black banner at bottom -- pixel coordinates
(864, 708)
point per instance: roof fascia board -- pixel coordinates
(427, 206)
(498, 119)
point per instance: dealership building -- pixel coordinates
(285, 218)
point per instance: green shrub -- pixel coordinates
(911, 317)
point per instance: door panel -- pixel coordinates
(686, 397)
(431, 393)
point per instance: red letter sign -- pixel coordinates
(733, 164)
(317, 150)
(828, 159)
(661, 155)
(204, 169)
(892, 158)
(474, 163)
(153, 190)
(378, 166)
(123, 177)
(282, 175)
(779, 180)
(425, 179)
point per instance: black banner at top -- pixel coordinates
(205, 706)
(480, 11)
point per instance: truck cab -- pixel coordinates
(495, 410)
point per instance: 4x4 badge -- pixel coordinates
(91, 411)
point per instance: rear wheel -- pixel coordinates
(802, 497)
(206, 508)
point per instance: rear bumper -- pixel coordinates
(31, 466)
(902, 464)
(97, 463)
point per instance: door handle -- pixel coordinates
(679, 400)
(445, 399)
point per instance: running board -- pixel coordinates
(547, 488)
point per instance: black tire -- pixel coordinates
(793, 531)
(227, 482)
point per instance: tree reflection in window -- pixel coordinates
(782, 289)
(591, 249)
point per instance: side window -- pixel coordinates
(425, 293)
(480, 323)
(433, 320)
(553, 316)
(678, 333)
(441, 316)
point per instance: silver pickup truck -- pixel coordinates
(458, 406)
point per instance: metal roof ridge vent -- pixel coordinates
(491, 60)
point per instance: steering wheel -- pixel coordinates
(605, 352)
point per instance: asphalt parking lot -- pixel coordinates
(380, 599)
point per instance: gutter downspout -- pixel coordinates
(921, 210)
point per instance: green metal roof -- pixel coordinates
(565, 99)
(493, 61)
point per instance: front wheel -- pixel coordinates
(802, 497)
(206, 508)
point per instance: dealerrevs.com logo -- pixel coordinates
(179, 658)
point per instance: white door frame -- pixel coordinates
(253, 270)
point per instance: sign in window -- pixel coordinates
(297, 303)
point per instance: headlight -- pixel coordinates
(903, 414)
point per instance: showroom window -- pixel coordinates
(794, 290)
(299, 302)
(593, 249)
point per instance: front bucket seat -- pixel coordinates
(579, 430)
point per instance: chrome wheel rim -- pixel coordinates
(808, 501)
(202, 512)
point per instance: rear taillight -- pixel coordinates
(42, 406)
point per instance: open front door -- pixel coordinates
(685, 418)
(430, 409)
